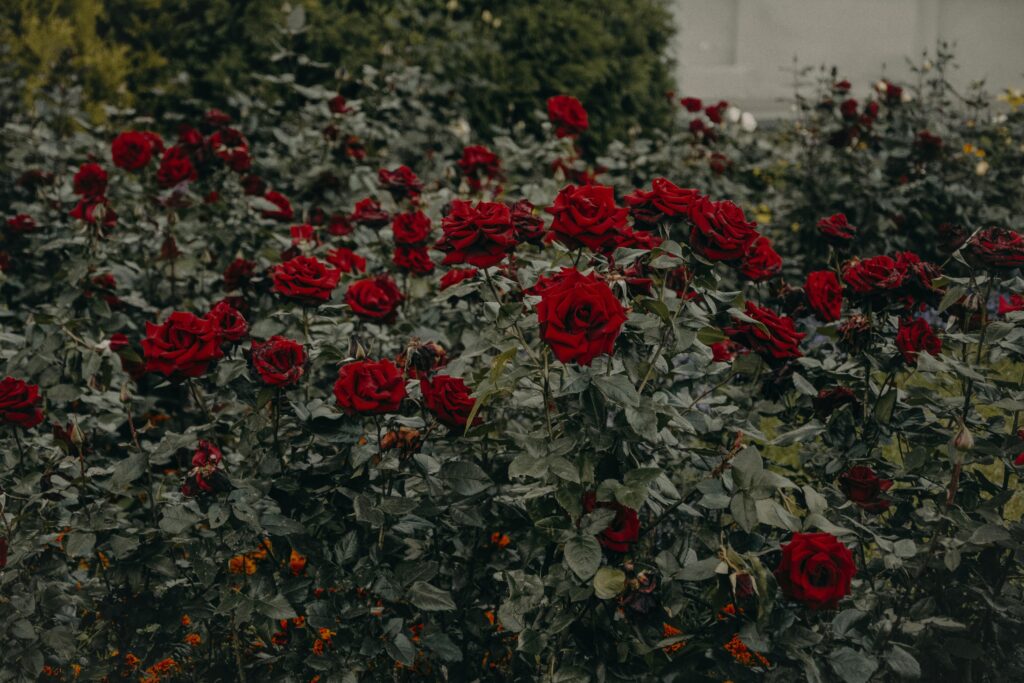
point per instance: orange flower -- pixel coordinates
(327, 634)
(242, 564)
(499, 539)
(415, 630)
(318, 647)
(164, 666)
(299, 622)
(297, 563)
(279, 638)
(670, 631)
(104, 560)
(186, 620)
(744, 655)
(193, 639)
(261, 551)
(131, 661)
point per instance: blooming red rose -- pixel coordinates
(815, 570)
(278, 361)
(824, 295)
(95, 211)
(375, 298)
(580, 318)
(132, 150)
(721, 232)
(228, 322)
(411, 229)
(448, 399)
(238, 273)
(1015, 303)
(346, 260)
(916, 336)
(337, 105)
(479, 235)
(401, 183)
(588, 216)
(479, 163)
(21, 224)
(692, 104)
(183, 346)
(529, 226)
(457, 275)
(175, 168)
(836, 229)
(283, 212)
(873, 276)
(848, 109)
(638, 239)
(568, 116)
(761, 262)
(864, 488)
(724, 351)
(206, 475)
(415, 260)
(231, 147)
(90, 180)
(305, 279)
(369, 213)
(216, 118)
(19, 403)
(368, 387)
(780, 342)
(624, 529)
(666, 200)
(997, 248)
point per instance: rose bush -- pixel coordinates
(598, 424)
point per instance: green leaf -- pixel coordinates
(618, 389)
(430, 598)
(853, 666)
(276, 607)
(465, 478)
(609, 582)
(744, 511)
(80, 544)
(903, 663)
(443, 646)
(583, 555)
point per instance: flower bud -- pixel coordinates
(964, 440)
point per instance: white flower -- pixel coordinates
(733, 114)
(748, 122)
(981, 168)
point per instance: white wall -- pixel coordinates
(738, 49)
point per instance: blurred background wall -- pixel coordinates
(739, 50)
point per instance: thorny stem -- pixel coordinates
(197, 396)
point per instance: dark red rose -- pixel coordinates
(367, 387)
(369, 213)
(401, 183)
(568, 116)
(698, 128)
(761, 262)
(90, 180)
(836, 229)
(457, 275)
(191, 139)
(580, 317)
(278, 361)
(721, 232)
(448, 399)
(862, 487)
(918, 276)
(284, 210)
(830, 400)
(873, 276)
(624, 529)
(215, 118)
(206, 475)
(415, 260)
(893, 93)
(714, 112)
(346, 260)
(411, 229)
(183, 346)
(337, 105)
(841, 86)
(95, 211)
(916, 336)
(375, 298)
(239, 273)
(228, 322)
(479, 163)
(849, 109)
(1015, 303)
(997, 248)
(253, 185)
(479, 235)
(587, 216)
(692, 104)
(928, 145)
(529, 226)
(815, 570)
(305, 279)
(724, 351)
(175, 168)
(855, 333)
(666, 200)
(304, 234)
(339, 225)
(781, 341)
(638, 239)
(824, 295)
(21, 224)
(231, 147)
(19, 403)
(719, 163)
(132, 150)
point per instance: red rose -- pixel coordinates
(587, 216)
(238, 273)
(284, 210)
(714, 112)
(781, 341)
(479, 235)
(1016, 303)
(624, 529)
(761, 262)
(401, 183)
(997, 248)
(477, 163)
(724, 351)
(457, 275)
(815, 570)
(90, 180)
(415, 260)
(873, 276)
(928, 144)
(411, 229)
(21, 224)
(916, 336)
(836, 229)
(369, 213)
(848, 109)
(824, 295)
(862, 487)
(568, 116)
(305, 279)
(206, 475)
(529, 226)
(132, 150)
(692, 104)
(638, 239)
(374, 298)
(231, 147)
(337, 105)
(215, 118)
(339, 225)
(368, 387)
(184, 345)
(229, 324)
(720, 230)
(304, 234)
(175, 168)
(253, 185)
(666, 200)
(448, 399)
(580, 317)
(278, 361)
(346, 260)
(95, 211)
(19, 403)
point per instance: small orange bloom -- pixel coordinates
(327, 634)
(744, 655)
(242, 564)
(131, 661)
(499, 539)
(186, 620)
(318, 647)
(299, 622)
(670, 631)
(193, 639)
(297, 563)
